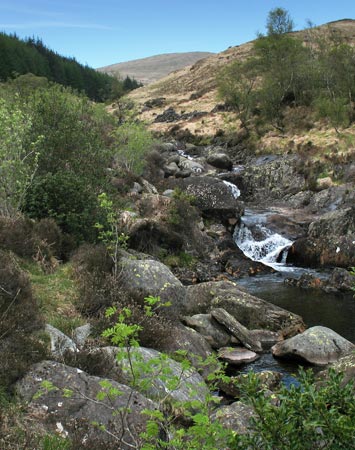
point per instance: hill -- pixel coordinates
(194, 88)
(150, 70)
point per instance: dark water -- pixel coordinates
(335, 311)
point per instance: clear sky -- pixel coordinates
(105, 32)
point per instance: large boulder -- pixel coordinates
(346, 366)
(330, 241)
(144, 278)
(220, 160)
(272, 176)
(60, 343)
(212, 196)
(70, 413)
(156, 376)
(317, 345)
(250, 311)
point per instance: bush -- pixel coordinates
(66, 198)
(132, 142)
(19, 321)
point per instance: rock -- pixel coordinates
(210, 329)
(344, 365)
(237, 356)
(148, 188)
(81, 409)
(170, 169)
(213, 197)
(341, 280)
(142, 278)
(234, 388)
(60, 343)
(324, 183)
(266, 338)
(81, 334)
(272, 176)
(169, 115)
(327, 251)
(336, 223)
(250, 311)
(236, 417)
(236, 329)
(136, 189)
(153, 375)
(168, 193)
(178, 337)
(185, 173)
(220, 160)
(317, 345)
(191, 166)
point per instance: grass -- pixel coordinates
(56, 294)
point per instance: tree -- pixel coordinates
(18, 158)
(279, 22)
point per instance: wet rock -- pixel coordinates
(237, 356)
(317, 345)
(212, 197)
(60, 343)
(266, 338)
(210, 329)
(237, 330)
(236, 417)
(250, 311)
(81, 409)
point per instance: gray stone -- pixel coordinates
(236, 417)
(210, 329)
(152, 374)
(250, 311)
(220, 160)
(60, 342)
(317, 345)
(137, 188)
(67, 413)
(81, 334)
(236, 329)
(237, 356)
(144, 278)
(149, 188)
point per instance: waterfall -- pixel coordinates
(234, 189)
(259, 243)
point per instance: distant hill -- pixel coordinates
(149, 70)
(194, 88)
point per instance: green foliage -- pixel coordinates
(279, 22)
(284, 73)
(68, 200)
(19, 57)
(132, 142)
(111, 235)
(18, 158)
(302, 417)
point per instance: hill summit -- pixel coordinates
(151, 69)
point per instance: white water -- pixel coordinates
(234, 189)
(259, 243)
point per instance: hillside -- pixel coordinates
(150, 70)
(194, 88)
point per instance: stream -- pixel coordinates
(333, 310)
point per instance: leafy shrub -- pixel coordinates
(19, 321)
(66, 198)
(132, 141)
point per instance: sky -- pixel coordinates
(104, 32)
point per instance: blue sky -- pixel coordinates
(105, 32)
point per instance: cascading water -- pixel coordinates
(259, 243)
(234, 189)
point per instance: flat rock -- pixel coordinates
(317, 345)
(237, 356)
